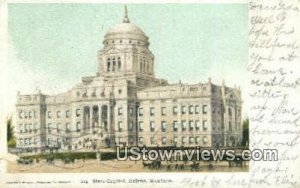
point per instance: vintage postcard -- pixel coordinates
(150, 94)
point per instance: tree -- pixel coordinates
(11, 141)
(245, 141)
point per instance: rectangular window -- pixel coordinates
(30, 127)
(163, 111)
(49, 114)
(130, 126)
(152, 141)
(175, 125)
(191, 125)
(175, 140)
(152, 111)
(20, 114)
(197, 140)
(105, 125)
(197, 125)
(141, 112)
(21, 128)
(197, 109)
(58, 115)
(77, 112)
(141, 140)
(35, 127)
(49, 127)
(58, 127)
(25, 128)
(68, 114)
(120, 126)
(120, 140)
(130, 140)
(131, 111)
(204, 139)
(205, 125)
(163, 141)
(183, 110)
(78, 126)
(152, 126)
(183, 125)
(58, 140)
(204, 109)
(191, 140)
(229, 112)
(175, 110)
(68, 127)
(120, 111)
(163, 126)
(230, 126)
(26, 141)
(141, 126)
(183, 140)
(191, 109)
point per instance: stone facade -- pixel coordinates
(125, 104)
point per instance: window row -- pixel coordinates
(136, 42)
(25, 128)
(175, 141)
(58, 127)
(57, 141)
(94, 94)
(59, 114)
(113, 64)
(27, 141)
(191, 109)
(185, 125)
(27, 114)
(144, 65)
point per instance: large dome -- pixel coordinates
(125, 33)
(125, 28)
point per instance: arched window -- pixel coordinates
(108, 64)
(148, 67)
(141, 65)
(114, 64)
(119, 63)
(229, 111)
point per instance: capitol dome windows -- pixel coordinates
(119, 63)
(108, 64)
(113, 64)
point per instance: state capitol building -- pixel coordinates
(124, 104)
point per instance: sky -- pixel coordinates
(51, 46)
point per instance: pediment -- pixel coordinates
(112, 50)
(231, 95)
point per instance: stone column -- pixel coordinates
(109, 120)
(90, 129)
(100, 118)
